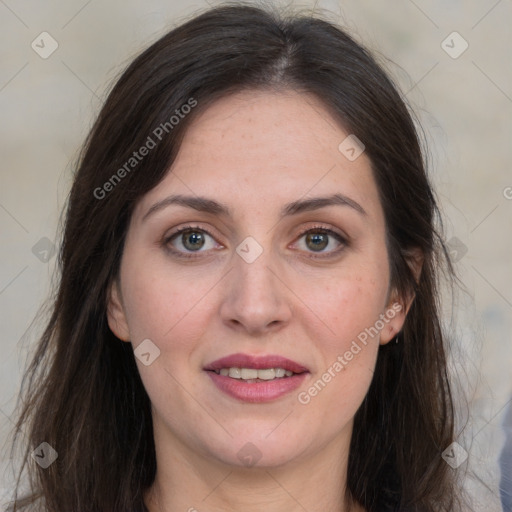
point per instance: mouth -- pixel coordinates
(256, 378)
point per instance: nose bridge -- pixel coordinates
(253, 272)
(255, 296)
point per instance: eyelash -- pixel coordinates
(322, 229)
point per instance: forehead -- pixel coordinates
(257, 148)
(283, 126)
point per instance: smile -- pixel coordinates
(256, 379)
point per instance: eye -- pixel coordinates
(319, 238)
(188, 239)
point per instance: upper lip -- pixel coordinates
(256, 362)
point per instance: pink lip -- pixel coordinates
(256, 362)
(257, 391)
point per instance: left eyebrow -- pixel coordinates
(207, 205)
(316, 203)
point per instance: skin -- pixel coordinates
(256, 151)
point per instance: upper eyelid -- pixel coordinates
(192, 225)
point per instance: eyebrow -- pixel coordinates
(206, 205)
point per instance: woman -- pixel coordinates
(248, 313)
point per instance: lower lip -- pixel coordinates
(257, 391)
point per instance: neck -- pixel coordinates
(188, 481)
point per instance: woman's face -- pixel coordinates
(246, 281)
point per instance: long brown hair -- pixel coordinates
(82, 391)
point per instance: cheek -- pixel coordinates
(348, 349)
(160, 303)
(348, 304)
(171, 311)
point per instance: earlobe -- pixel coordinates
(115, 313)
(398, 307)
(395, 314)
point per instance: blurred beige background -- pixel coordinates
(463, 97)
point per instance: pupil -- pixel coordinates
(195, 238)
(319, 240)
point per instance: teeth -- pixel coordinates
(246, 373)
(263, 374)
(250, 374)
(235, 373)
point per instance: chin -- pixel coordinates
(256, 451)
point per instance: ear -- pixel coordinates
(398, 307)
(115, 313)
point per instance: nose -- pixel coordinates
(256, 299)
